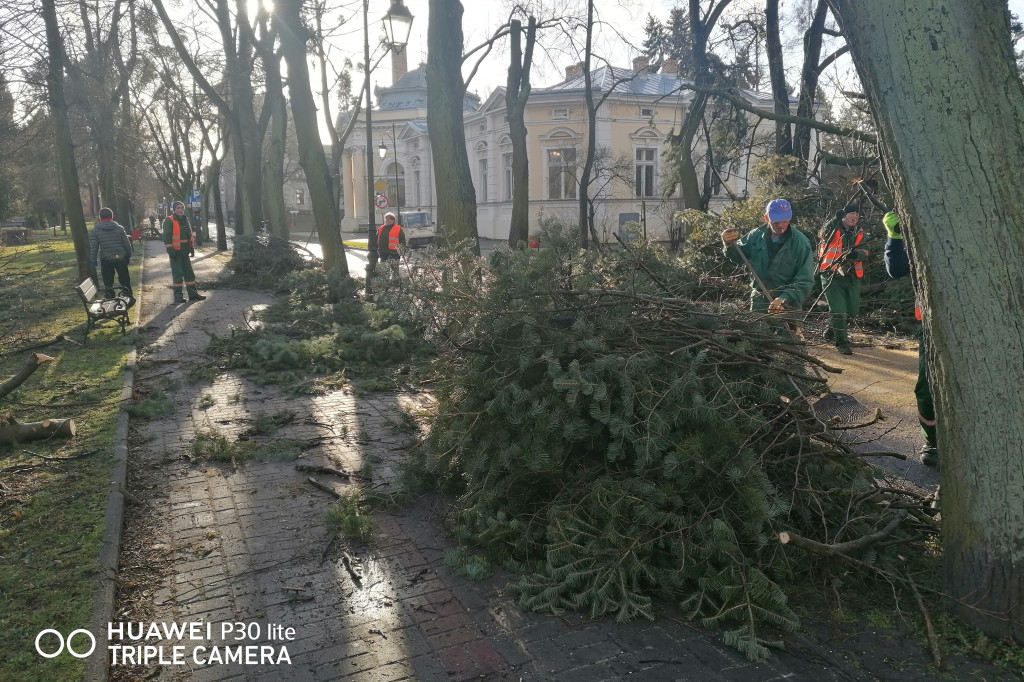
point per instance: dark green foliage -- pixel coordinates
(303, 333)
(617, 445)
(264, 257)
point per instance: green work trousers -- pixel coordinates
(182, 275)
(925, 407)
(843, 296)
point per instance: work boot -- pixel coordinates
(844, 349)
(930, 456)
(829, 335)
(197, 297)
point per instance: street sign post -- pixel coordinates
(381, 202)
(380, 185)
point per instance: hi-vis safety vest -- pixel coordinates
(176, 240)
(393, 241)
(831, 254)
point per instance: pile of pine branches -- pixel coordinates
(616, 439)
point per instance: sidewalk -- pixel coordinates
(247, 543)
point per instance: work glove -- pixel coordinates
(777, 306)
(891, 221)
(729, 236)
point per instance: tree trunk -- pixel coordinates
(446, 91)
(588, 161)
(809, 80)
(949, 107)
(516, 95)
(34, 362)
(13, 431)
(222, 232)
(311, 150)
(62, 134)
(773, 48)
(273, 158)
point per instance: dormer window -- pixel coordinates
(646, 112)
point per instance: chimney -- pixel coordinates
(640, 65)
(399, 65)
(573, 70)
(670, 67)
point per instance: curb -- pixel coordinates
(96, 669)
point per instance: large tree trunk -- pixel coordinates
(446, 91)
(516, 95)
(62, 134)
(949, 106)
(588, 160)
(809, 80)
(307, 133)
(273, 159)
(777, 72)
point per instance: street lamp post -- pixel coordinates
(397, 25)
(382, 150)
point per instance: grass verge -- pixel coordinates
(52, 492)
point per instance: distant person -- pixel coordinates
(390, 236)
(110, 251)
(897, 264)
(179, 240)
(136, 235)
(841, 265)
(782, 258)
(152, 224)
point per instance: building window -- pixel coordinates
(646, 113)
(482, 177)
(562, 173)
(646, 159)
(483, 127)
(300, 197)
(560, 112)
(508, 182)
(416, 187)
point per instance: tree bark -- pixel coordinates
(62, 133)
(588, 160)
(516, 95)
(31, 365)
(311, 151)
(13, 431)
(949, 107)
(446, 91)
(809, 80)
(777, 72)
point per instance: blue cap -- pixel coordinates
(779, 210)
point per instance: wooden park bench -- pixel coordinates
(100, 310)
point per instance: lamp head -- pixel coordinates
(382, 151)
(398, 25)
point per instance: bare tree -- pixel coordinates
(516, 94)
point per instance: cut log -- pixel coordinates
(13, 431)
(31, 365)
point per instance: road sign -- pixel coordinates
(381, 202)
(193, 198)
(380, 185)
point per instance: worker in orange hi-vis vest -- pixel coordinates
(179, 239)
(841, 259)
(390, 236)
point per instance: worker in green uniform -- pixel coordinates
(179, 239)
(781, 258)
(841, 259)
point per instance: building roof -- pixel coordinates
(410, 92)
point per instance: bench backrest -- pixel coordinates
(86, 291)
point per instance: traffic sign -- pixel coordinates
(380, 185)
(193, 198)
(381, 202)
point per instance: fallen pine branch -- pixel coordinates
(842, 548)
(318, 469)
(326, 488)
(933, 640)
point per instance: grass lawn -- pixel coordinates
(52, 511)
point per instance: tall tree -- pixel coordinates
(517, 93)
(949, 108)
(446, 91)
(813, 66)
(62, 133)
(591, 141)
(311, 151)
(777, 73)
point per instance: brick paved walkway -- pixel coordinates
(248, 542)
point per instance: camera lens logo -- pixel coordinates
(65, 644)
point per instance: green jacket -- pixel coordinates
(789, 275)
(186, 233)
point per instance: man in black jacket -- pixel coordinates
(110, 251)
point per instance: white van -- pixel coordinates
(419, 229)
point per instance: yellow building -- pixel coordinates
(633, 124)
